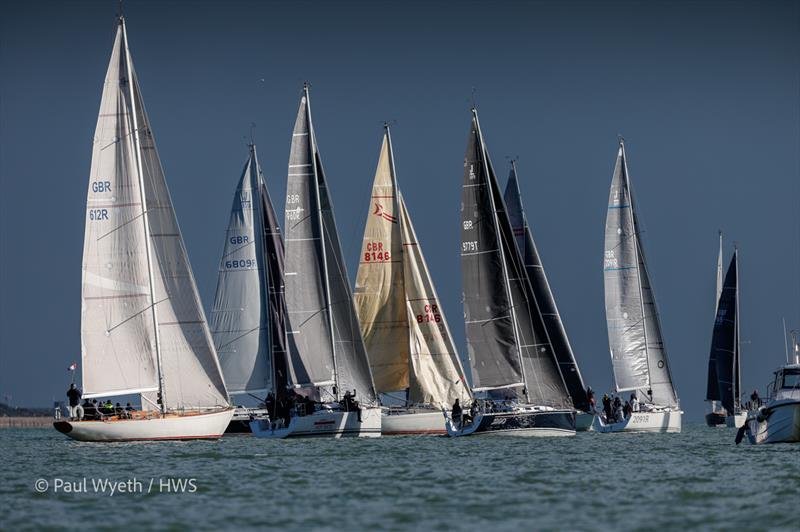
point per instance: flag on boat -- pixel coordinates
(73, 366)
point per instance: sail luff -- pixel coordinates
(145, 218)
(545, 301)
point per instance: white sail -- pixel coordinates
(141, 313)
(380, 293)
(239, 319)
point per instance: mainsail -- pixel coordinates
(712, 388)
(246, 323)
(325, 344)
(506, 337)
(543, 293)
(725, 341)
(143, 329)
(403, 324)
(638, 355)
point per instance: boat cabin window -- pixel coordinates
(791, 378)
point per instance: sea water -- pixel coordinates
(697, 479)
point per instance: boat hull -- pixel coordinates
(584, 421)
(323, 424)
(205, 426)
(517, 423)
(778, 422)
(657, 421)
(240, 423)
(736, 420)
(419, 423)
(715, 419)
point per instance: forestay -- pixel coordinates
(140, 308)
(634, 332)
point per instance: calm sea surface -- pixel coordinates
(698, 479)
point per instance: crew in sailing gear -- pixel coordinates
(74, 396)
(270, 404)
(89, 410)
(456, 413)
(626, 410)
(756, 400)
(607, 407)
(634, 403)
(590, 397)
(618, 415)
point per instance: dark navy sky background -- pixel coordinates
(707, 95)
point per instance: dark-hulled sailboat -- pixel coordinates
(725, 348)
(546, 302)
(511, 356)
(248, 319)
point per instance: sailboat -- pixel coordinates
(638, 354)
(402, 321)
(726, 350)
(143, 330)
(547, 303)
(327, 361)
(512, 359)
(716, 416)
(248, 319)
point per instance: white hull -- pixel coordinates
(409, 422)
(584, 421)
(781, 425)
(173, 427)
(657, 421)
(736, 420)
(323, 423)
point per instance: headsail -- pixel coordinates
(725, 341)
(543, 293)
(505, 331)
(143, 327)
(634, 332)
(240, 319)
(404, 327)
(325, 343)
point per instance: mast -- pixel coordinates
(502, 256)
(145, 219)
(719, 271)
(635, 227)
(312, 141)
(737, 346)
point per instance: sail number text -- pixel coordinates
(241, 263)
(375, 253)
(431, 314)
(610, 259)
(470, 245)
(101, 186)
(98, 214)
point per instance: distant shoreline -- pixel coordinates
(25, 422)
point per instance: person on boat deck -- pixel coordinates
(89, 410)
(607, 406)
(474, 409)
(269, 402)
(350, 404)
(650, 394)
(108, 408)
(74, 396)
(634, 403)
(590, 397)
(455, 414)
(129, 407)
(618, 415)
(755, 399)
(626, 410)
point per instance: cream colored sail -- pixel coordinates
(380, 292)
(437, 374)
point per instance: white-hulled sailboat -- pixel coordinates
(404, 328)
(512, 359)
(326, 357)
(547, 303)
(143, 330)
(726, 349)
(716, 414)
(638, 355)
(249, 313)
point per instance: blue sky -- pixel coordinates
(707, 95)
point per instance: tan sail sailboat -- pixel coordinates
(408, 342)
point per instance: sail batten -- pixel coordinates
(636, 344)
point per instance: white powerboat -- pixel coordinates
(778, 420)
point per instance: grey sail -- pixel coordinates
(543, 293)
(240, 321)
(725, 341)
(497, 291)
(712, 387)
(634, 332)
(325, 343)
